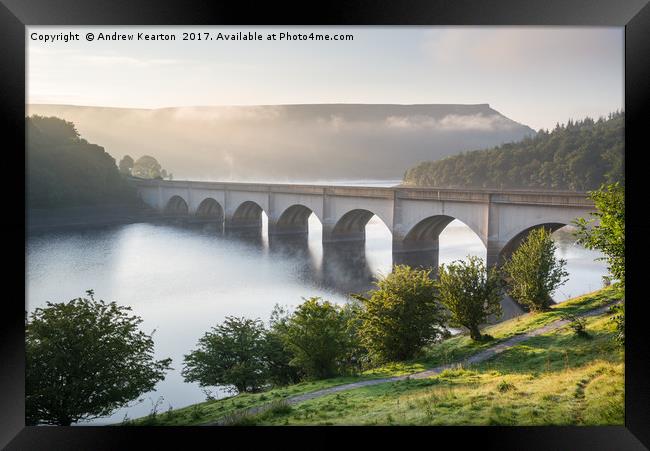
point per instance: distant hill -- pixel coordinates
(291, 142)
(575, 156)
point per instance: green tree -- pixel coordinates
(533, 272)
(126, 165)
(401, 315)
(85, 359)
(470, 292)
(356, 357)
(146, 167)
(580, 155)
(606, 230)
(619, 321)
(316, 335)
(64, 169)
(278, 356)
(232, 353)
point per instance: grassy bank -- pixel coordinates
(554, 379)
(558, 378)
(459, 347)
(212, 410)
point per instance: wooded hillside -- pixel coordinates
(574, 156)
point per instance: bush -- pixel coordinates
(317, 335)
(278, 408)
(356, 358)
(470, 292)
(277, 354)
(231, 354)
(85, 359)
(505, 386)
(401, 315)
(577, 323)
(619, 321)
(608, 235)
(195, 412)
(533, 272)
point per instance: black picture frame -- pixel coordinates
(634, 15)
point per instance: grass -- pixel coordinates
(558, 378)
(213, 410)
(459, 347)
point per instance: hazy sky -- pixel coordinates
(534, 75)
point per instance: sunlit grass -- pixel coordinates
(209, 411)
(459, 347)
(554, 379)
(557, 378)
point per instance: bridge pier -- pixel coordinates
(279, 228)
(330, 235)
(493, 256)
(292, 245)
(249, 226)
(345, 266)
(417, 254)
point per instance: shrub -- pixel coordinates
(470, 292)
(533, 272)
(85, 359)
(317, 335)
(401, 315)
(505, 386)
(577, 323)
(608, 235)
(195, 412)
(619, 321)
(231, 354)
(277, 354)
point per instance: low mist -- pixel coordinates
(290, 143)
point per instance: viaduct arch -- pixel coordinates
(414, 216)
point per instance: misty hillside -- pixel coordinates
(291, 142)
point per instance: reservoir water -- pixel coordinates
(184, 279)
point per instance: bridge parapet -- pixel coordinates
(545, 198)
(360, 191)
(450, 195)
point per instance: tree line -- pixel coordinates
(145, 167)
(65, 170)
(579, 155)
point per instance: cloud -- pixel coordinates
(452, 122)
(116, 61)
(228, 113)
(524, 48)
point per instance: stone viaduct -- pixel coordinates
(414, 216)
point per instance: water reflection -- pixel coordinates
(346, 267)
(417, 259)
(340, 267)
(306, 265)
